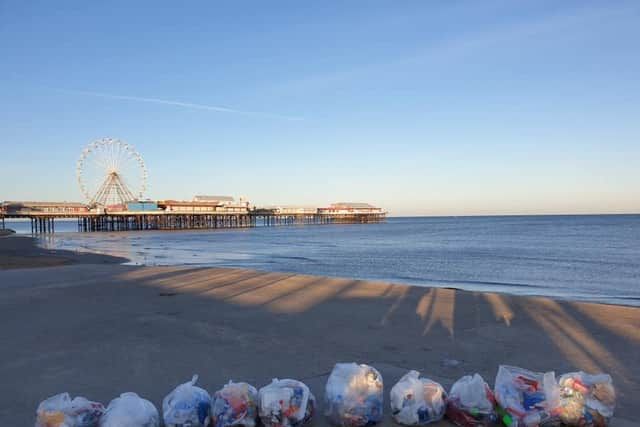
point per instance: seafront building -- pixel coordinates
(294, 210)
(348, 208)
(58, 208)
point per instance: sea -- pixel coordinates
(586, 257)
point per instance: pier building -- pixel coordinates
(349, 208)
(179, 215)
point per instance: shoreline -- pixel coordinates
(28, 253)
(17, 251)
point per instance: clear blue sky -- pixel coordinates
(422, 107)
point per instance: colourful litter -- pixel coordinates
(235, 405)
(471, 402)
(354, 398)
(417, 400)
(354, 395)
(529, 398)
(61, 411)
(586, 400)
(285, 403)
(187, 405)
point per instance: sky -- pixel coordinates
(420, 107)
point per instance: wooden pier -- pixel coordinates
(162, 220)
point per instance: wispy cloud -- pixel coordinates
(182, 104)
(442, 53)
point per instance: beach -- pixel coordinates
(23, 252)
(98, 329)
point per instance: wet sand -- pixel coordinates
(23, 252)
(98, 330)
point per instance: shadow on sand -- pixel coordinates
(101, 330)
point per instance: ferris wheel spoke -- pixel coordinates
(100, 163)
(117, 157)
(122, 158)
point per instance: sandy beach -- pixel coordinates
(23, 252)
(86, 325)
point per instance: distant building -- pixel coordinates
(203, 206)
(294, 210)
(60, 208)
(350, 208)
(184, 206)
(224, 200)
(142, 206)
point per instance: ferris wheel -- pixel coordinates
(111, 172)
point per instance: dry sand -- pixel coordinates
(99, 330)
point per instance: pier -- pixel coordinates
(43, 217)
(111, 205)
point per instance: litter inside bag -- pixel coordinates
(61, 411)
(130, 410)
(527, 398)
(235, 405)
(354, 395)
(187, 405)
(417, 400)
(285, 403)
(586, 400)
(471, 402)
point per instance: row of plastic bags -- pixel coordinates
(354, 398)
(283, 403)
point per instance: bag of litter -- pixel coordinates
(130, 410)
(285, 403)
(417, 400)
(354, 395)
(586, 400)
(527, 398)
(471, 402)
(61, 411)
(187, 405)
(235, 405)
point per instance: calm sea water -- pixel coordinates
(594, 258)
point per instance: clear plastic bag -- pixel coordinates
(586, 400)
(417, 400)
(471, 402)
(527, 398)
(61, 411)
(187, 405)
(354, 395)
(285, 403)
(234, 405)
(130, 410)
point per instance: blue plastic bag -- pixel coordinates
(187, 405)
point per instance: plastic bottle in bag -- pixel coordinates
(417, 400)
(354, 395)
(61, 411)
(236, 404)
(586, 400)
(471, 402)
(187, 405)
(285, 403)
(527, 398)
(130, 410)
